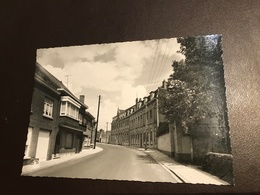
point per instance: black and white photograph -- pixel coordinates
(148, 111)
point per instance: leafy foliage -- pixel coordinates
(196, 86)
(163, 128)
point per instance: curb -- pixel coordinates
(172, 173)
(183, 179)
(60, 161)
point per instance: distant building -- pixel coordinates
(90, 130)
(104, 136)
(59, 122)
(108, 137)
(137, 125)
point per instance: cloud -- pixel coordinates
(108, 109)
(101, 74)
(130, 93)
(116, 70)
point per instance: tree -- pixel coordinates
(196, 87)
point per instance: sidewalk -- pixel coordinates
(186, 173)
(27, 169)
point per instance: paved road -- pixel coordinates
(114, 162)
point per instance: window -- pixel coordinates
(72, 111)
(48, 107)
(70, 108)
(80, 119)
(84, 122)
(63, 108)
(68, 141)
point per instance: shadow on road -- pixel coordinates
(146, 158)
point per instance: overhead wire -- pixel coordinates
(165, 61)
(161, 65)
(153, 66)
(153, 79)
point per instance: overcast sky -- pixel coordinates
(119, 72)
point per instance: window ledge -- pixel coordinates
(69, 117)
(46, 116)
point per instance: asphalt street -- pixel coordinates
(113, 163)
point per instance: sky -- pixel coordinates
(118, 72)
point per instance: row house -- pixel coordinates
(59, 123)
(120, 128)
(137, 125)
(90, 129)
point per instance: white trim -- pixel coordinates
(69, 99)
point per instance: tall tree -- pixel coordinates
(196, 87)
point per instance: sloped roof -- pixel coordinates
(46, 77)
(120, 111)
(51, 81)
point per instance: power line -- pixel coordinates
(164, 60)
(168, 54)
(158, 64)
(153, 66)
(152, 69)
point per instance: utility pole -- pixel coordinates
(146, 125)
(91, 140)
(99, 97)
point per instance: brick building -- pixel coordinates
(138, 124)
(59, 122)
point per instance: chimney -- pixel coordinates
(82, 98)
(145, 99)
(136, 100)
(152, 94)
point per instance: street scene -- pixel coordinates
(133, 165)
(112, 162)
(148, 111)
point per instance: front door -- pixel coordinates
(78, 143)
(42, 145)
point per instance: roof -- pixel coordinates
(120, 111)
(51, 81)
(90, 115)
(141, 101)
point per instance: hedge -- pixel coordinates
(219, 165)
